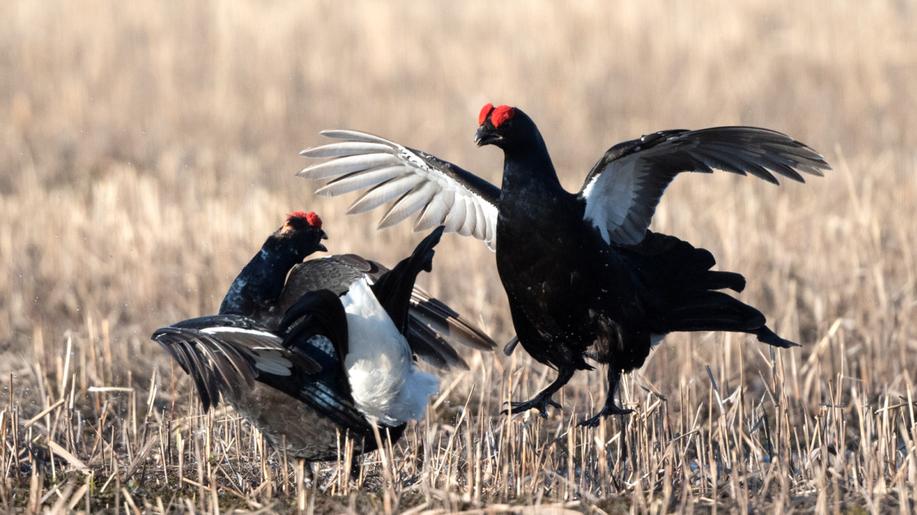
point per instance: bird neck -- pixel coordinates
(528, 170)
(261, 281)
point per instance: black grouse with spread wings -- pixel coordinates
(583, 273)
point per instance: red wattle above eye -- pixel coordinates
(314, 220)
(311, 218)
(484, 112)
(501, 114)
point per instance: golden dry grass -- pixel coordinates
(147, 148)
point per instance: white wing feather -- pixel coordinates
(439, 192)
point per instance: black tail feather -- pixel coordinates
(393, 289)
(680, 291)
(714, 280)
(713, 311)
(679, 266)
(769, 337)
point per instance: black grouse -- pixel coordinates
(310, 351)
(584, 275)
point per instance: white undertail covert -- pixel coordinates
(384, 382)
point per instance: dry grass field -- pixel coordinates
(147, 148)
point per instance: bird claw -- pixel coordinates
(541, 404)
(606, 411)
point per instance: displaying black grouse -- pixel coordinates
(583, 274)
(308, 351)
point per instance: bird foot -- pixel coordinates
(614, 409)
(539, 403)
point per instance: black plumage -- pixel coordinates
(584, 275)
(277, 355)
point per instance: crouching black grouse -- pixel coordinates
(584, 275)
(310, 351)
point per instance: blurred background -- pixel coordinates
(148, 148)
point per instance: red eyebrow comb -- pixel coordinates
(485, 111)
(311, 218)
(501, 114)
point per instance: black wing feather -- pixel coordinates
(228, 362)
(432, 326)
(622, 190)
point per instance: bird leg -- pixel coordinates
(611, 407)
(543, 399)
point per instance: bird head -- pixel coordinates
(302, 233)
(502, 126)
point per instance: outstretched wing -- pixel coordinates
(624, 187)
(226, 355)
(414, 181)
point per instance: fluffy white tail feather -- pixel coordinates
(384, 382)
